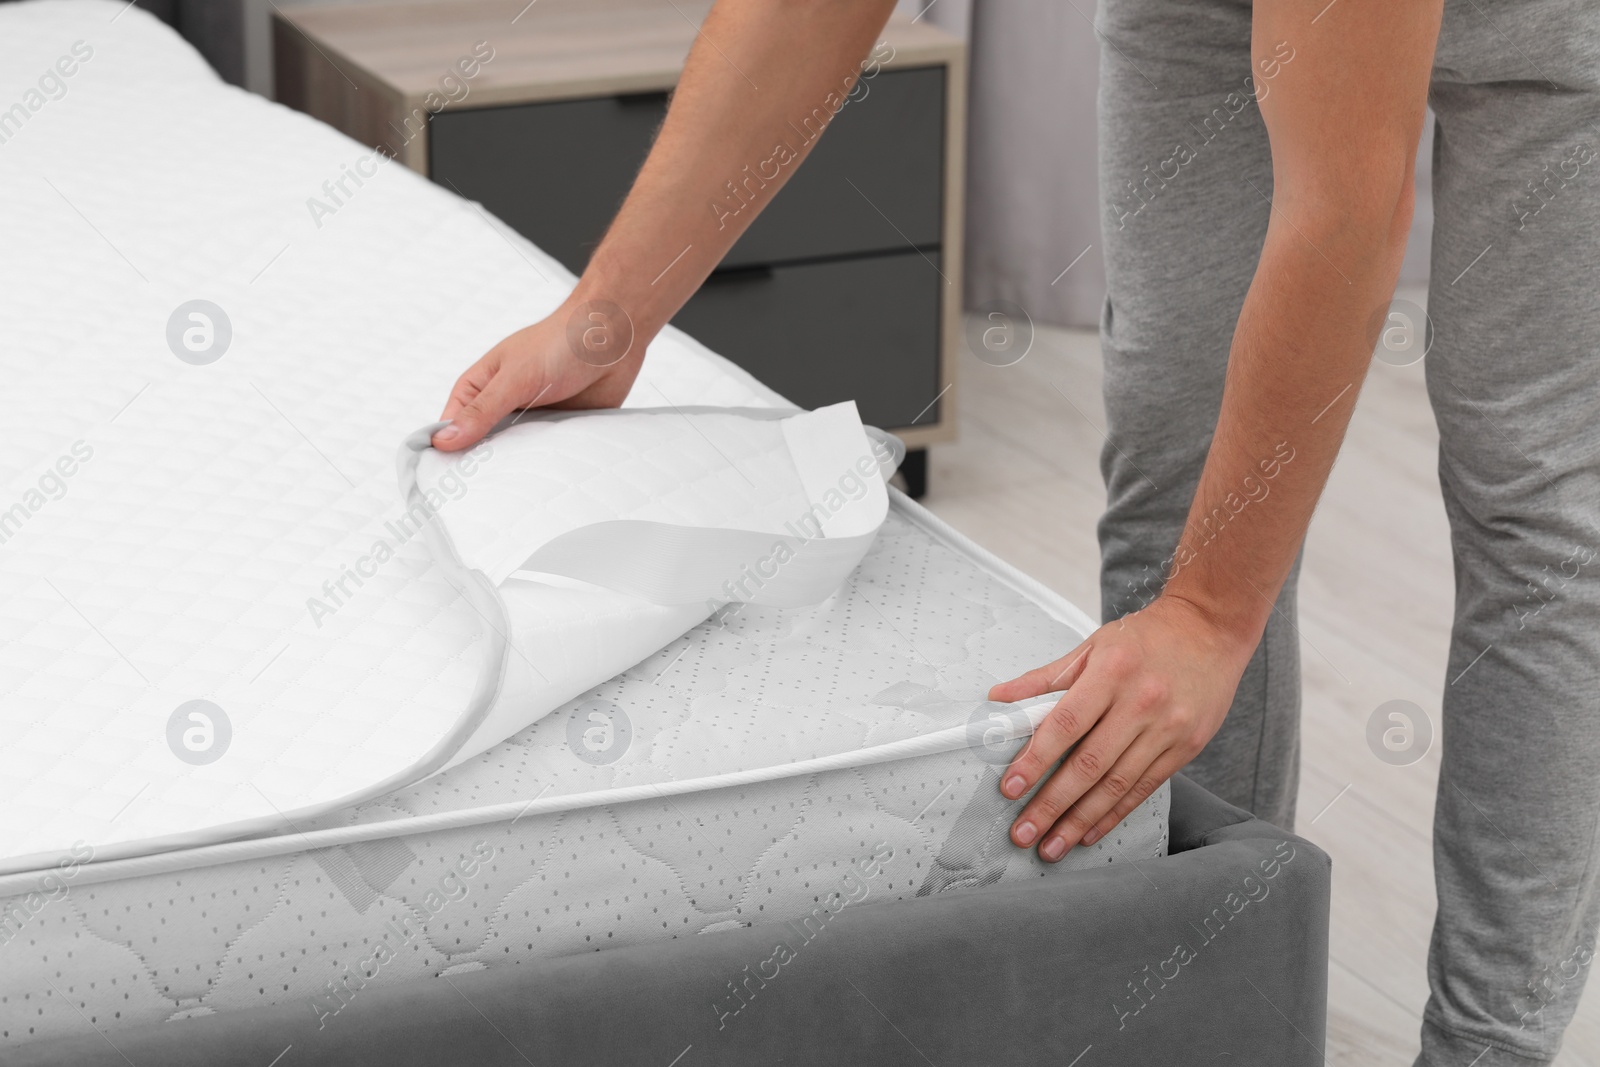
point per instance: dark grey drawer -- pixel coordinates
(557, 172)
(864, 329)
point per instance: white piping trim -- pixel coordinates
(946, 740)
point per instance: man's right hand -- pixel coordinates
(534, 367)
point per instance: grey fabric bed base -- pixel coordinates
(1216, 954)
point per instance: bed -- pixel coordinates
(759, 810)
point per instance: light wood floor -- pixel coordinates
(1375, 617)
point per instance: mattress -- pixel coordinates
(947, 972)
(335, 815)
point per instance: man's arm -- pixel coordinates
(759, 73)
(1149, 691)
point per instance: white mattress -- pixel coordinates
(733, 777)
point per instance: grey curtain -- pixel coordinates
(1032, 202)
(216, 28)
(1032, 206)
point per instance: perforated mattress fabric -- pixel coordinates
(772, 765)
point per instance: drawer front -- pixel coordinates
(557, 172)
(873, 184)
(862, 329)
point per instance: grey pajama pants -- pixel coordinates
(1514, 380)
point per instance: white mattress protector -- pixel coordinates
(605, 535)
(231, 531)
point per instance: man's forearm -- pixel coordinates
(1300, 352)
(761, 83)
(1344, 122)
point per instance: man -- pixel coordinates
(1256, 171)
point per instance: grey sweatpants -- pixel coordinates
(1514, 379)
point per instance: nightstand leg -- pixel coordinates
(915, 472)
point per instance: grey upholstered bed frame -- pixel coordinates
(1217, 954)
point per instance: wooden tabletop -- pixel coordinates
(544, 50)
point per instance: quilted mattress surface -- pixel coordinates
(166, 524)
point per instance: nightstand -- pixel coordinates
(847, 287)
